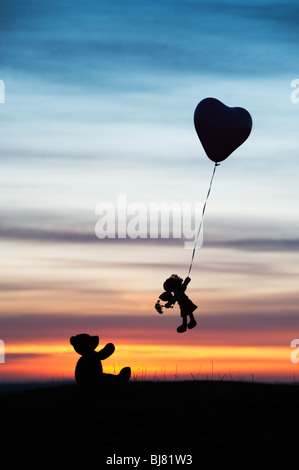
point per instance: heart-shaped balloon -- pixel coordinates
(221, 129)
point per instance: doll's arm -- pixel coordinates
(170, 303)
(106, 351)
(186, 282)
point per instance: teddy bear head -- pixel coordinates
(84, 343)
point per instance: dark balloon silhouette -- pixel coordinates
(89, 371)
(221, 129)
(175, 292)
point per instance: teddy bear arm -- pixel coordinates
(106, 351)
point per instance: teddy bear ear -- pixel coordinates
(72, 339)
(96, 340)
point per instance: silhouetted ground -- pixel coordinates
(153, 417)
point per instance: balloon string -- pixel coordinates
(202, 215)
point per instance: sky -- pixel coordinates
(99, 104)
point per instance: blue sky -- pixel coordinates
(116, 83)
(99, 101)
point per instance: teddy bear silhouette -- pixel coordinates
(89, 371)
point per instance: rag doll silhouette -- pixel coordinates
(174, 291)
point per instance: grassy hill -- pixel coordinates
(153, 417)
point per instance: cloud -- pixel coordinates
(43, 235)
(10, 357)
(258, 244)
(246, 328)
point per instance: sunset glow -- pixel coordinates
(57, 361)
(91, 117)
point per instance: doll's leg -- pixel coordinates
(192, 322)
(183, 327)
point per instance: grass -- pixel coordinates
(152, 416)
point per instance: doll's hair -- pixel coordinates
(166, 296)
(172, 283)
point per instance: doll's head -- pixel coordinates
(172, 283)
